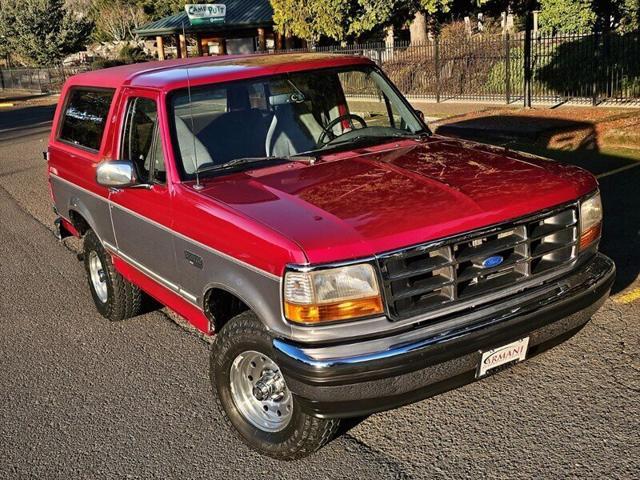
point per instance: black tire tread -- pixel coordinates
(125, 299)
(314, 432)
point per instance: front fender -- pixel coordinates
(258, 289)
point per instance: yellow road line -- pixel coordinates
(618, 170)
(628, 297)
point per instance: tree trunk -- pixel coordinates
(418, 29)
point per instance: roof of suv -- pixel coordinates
(171, 74)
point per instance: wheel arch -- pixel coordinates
(79, 222)
(220, 304)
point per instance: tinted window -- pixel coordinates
(141, 142)
(85, 117)
(285, 115)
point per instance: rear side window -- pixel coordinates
(85, 117)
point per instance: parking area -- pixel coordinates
(84, 398)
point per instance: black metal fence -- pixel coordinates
(41, 80)
(558, 68)
(553, 68)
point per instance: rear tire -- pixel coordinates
(241, 358)
(115, 298)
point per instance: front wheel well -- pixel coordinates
(220, 306)
(79, 222)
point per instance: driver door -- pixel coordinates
(142, 216)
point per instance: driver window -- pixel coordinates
(141, 141)
(364, 98)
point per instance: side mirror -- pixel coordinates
(116, 174)
(420, 114)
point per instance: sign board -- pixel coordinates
(205, 13)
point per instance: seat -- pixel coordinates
(193, 153)
(290, 133)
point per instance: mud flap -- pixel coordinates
(62, 229)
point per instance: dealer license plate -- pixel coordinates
(507, 354)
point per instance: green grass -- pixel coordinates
(623, 152)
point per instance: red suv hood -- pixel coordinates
(377, 199)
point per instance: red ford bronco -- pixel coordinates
(296, 206)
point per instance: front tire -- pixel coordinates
(253, 397)
(115, 297)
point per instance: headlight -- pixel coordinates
(590, 220)
(333, 294)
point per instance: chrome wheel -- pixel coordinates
(259, 391)
(98, 277)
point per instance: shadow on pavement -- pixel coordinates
(26, 117)
(576, 143)
(507, 127)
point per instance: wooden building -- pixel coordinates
(246, 27)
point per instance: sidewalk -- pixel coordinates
(13, 97)
(566, 128)
(434, 111)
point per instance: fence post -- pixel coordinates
(436, 54)
(596, 68)
(507, 67)
(527, 65)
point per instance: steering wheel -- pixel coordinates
(328, 130)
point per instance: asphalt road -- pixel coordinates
(84, 398)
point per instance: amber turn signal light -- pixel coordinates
(348, 309)
(590, 235)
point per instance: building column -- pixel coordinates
(182, 40)
(178, 50)
(181, 46)
(160, 47)
(199, 44)
(262, 41)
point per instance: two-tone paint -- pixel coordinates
(239, 232)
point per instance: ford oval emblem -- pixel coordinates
(492, 261)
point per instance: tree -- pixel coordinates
(156, 9)
(622, 15)
(572, 16)
(630, 21)
(44, 32)
(116, 20)
(345, 19)
(312, 19)
(367, 15)
(6, 30)
(568, 16)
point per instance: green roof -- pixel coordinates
(240, 14)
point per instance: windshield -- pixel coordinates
(285, 115)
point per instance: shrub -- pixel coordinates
(100, 63)
(132, 54)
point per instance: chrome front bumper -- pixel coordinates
(363, 377)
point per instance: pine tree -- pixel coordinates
(44, 32)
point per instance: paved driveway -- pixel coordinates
(84, 398)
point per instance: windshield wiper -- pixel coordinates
(210, 167)
(361, 138)
(237, 162)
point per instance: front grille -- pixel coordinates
(427, 277)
